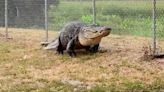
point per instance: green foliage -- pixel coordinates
(125, 18)
(87, 19)
(66, 12)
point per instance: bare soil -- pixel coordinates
(23, 60)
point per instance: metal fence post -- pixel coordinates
(154, 27)
(46, 21)
(94, 11)
(6, 19)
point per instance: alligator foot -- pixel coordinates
(71, 53)
(93, 49)
(60, 50)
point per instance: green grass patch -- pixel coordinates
(129, 86)
(125, 17)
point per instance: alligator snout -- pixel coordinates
(106, 29)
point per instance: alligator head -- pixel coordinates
(92, 35)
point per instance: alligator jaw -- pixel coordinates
(93, 36)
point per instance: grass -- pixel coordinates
(25, 66)
(125, 17)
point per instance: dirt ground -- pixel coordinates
(23, 60)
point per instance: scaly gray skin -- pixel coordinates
(76, 35)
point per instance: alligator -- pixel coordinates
(77, 35)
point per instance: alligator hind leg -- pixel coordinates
(71, 48)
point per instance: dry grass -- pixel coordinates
(25, 66)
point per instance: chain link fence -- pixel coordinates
(159, 27)
(126, 17)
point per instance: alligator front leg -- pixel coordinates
(94, 48)
(71, 48)
(60, 47)
(60, 50)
